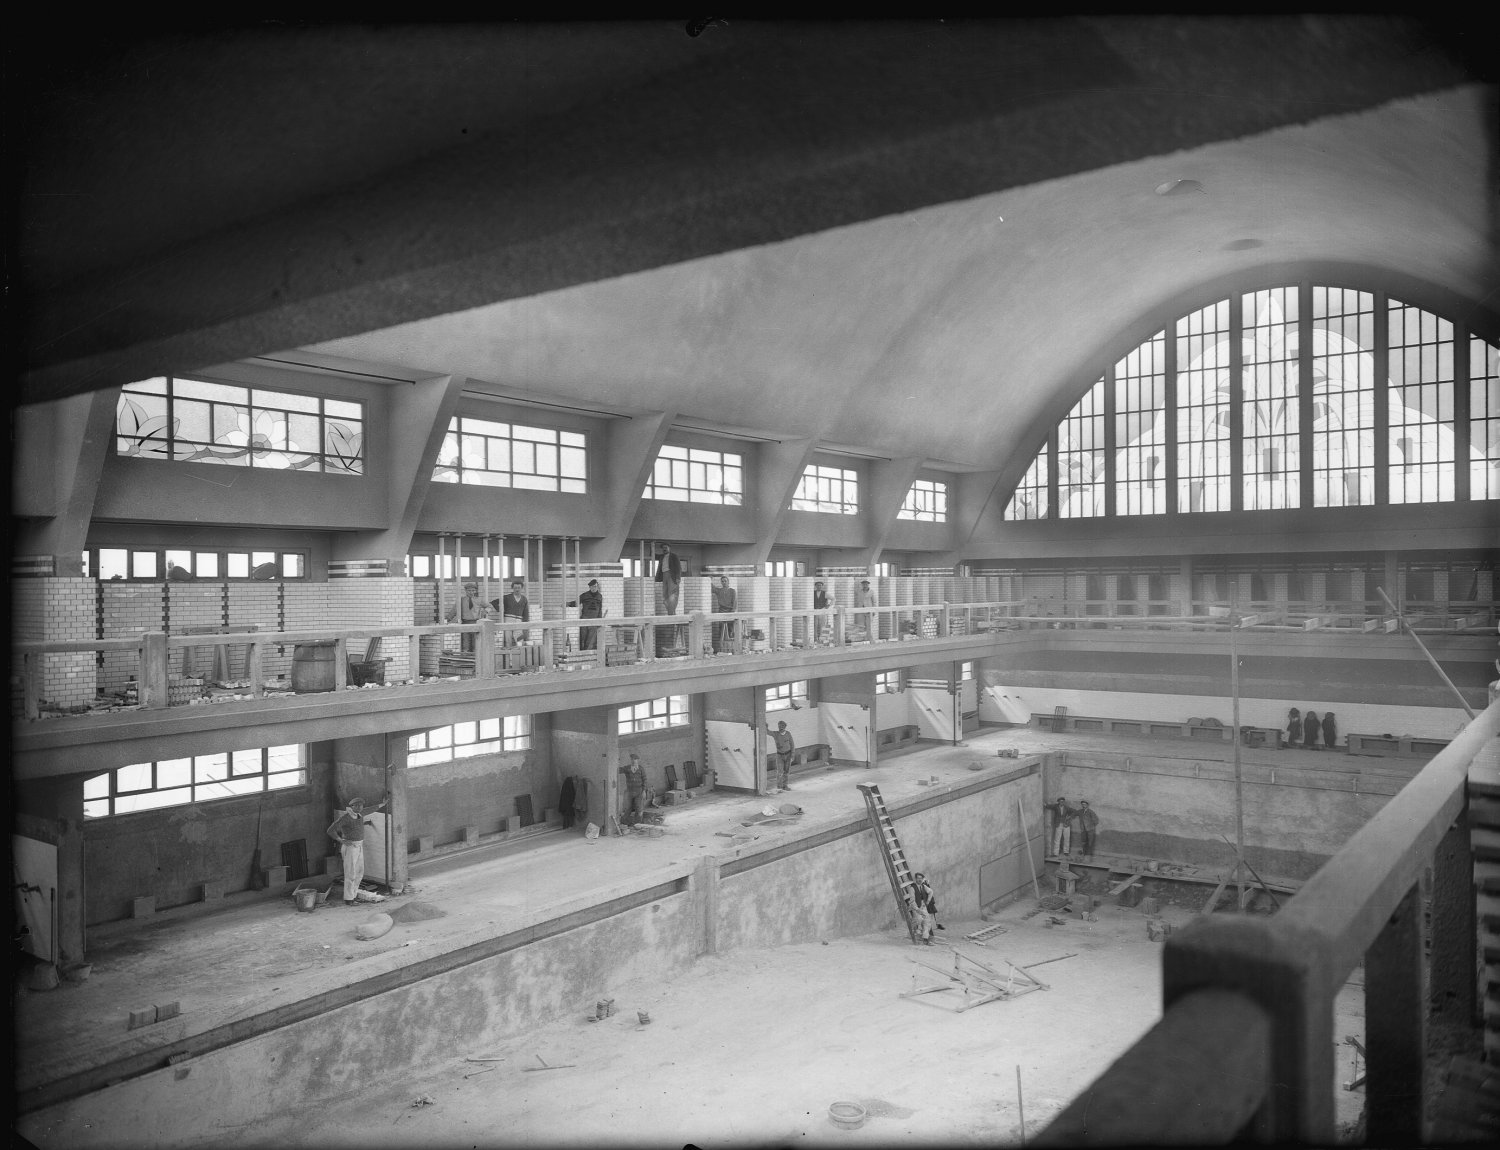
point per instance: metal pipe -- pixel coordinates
(1239, 777)
(1462, 702)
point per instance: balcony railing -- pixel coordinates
(1245, 1046)
(146, 662)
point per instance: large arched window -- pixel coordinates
(1283, 397)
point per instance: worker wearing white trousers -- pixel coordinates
(1062, 832)
(348, 830)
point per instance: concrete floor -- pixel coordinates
(753, 1048)
(238, 963)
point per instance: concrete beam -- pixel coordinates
(67, 443)
(414, 431)
(630, 453)
(889, 481)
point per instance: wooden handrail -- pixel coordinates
(1350, 899)
(1363, 905)
(1195, 1078)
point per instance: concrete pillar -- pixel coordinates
(1392, 582)
(705, 887)
(399, 808)
(51, 811)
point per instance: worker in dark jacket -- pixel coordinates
(1087, 822)
(1330, 731)
(1312, 728)
(924, 906)
(1293, 727)
(590, 606)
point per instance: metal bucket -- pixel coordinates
(307, 898)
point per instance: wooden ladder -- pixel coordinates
(897, 869)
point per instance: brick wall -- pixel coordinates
(56, 610)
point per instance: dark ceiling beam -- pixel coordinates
(809, 128)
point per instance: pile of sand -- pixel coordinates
(416, 911)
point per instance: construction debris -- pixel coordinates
(985, 932)
(980, 985)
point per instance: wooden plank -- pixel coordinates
(1119, 886)
(1213, 899)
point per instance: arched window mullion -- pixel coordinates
(1462, 434)
(1382, 399)
(1169, 418)
(1236, 403)
(1305, 393)
(1111, 469)
(1053, 511)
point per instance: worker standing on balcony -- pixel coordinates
(514, 608)
(724, 601)
(590, 606)
(470, 609)
(1293, 727)
(669, 575)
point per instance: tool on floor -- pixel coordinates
(544, 1066)
(1045, 961)
(1021, 1106)
(896, 867)
(257, 875)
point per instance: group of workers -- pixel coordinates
(1305, 730)
(1066, 819)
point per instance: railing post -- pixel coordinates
(153, 669)
(414, 655)
(549, 648)
(254, 668)
(838, 626)
(484, 649)
(647, 651)
(32, 677)
(1396, 1027)
(340, 664)
(695, 634)
(1284, 968)
(1453, 932)
(945, 624)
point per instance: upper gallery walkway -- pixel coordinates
(337, 682)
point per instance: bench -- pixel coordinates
(812, 754)
(1394, 746)
(894, 738)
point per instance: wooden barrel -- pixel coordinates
(312, 667)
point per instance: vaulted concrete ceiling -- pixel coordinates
(909, 238)
(950, 332)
